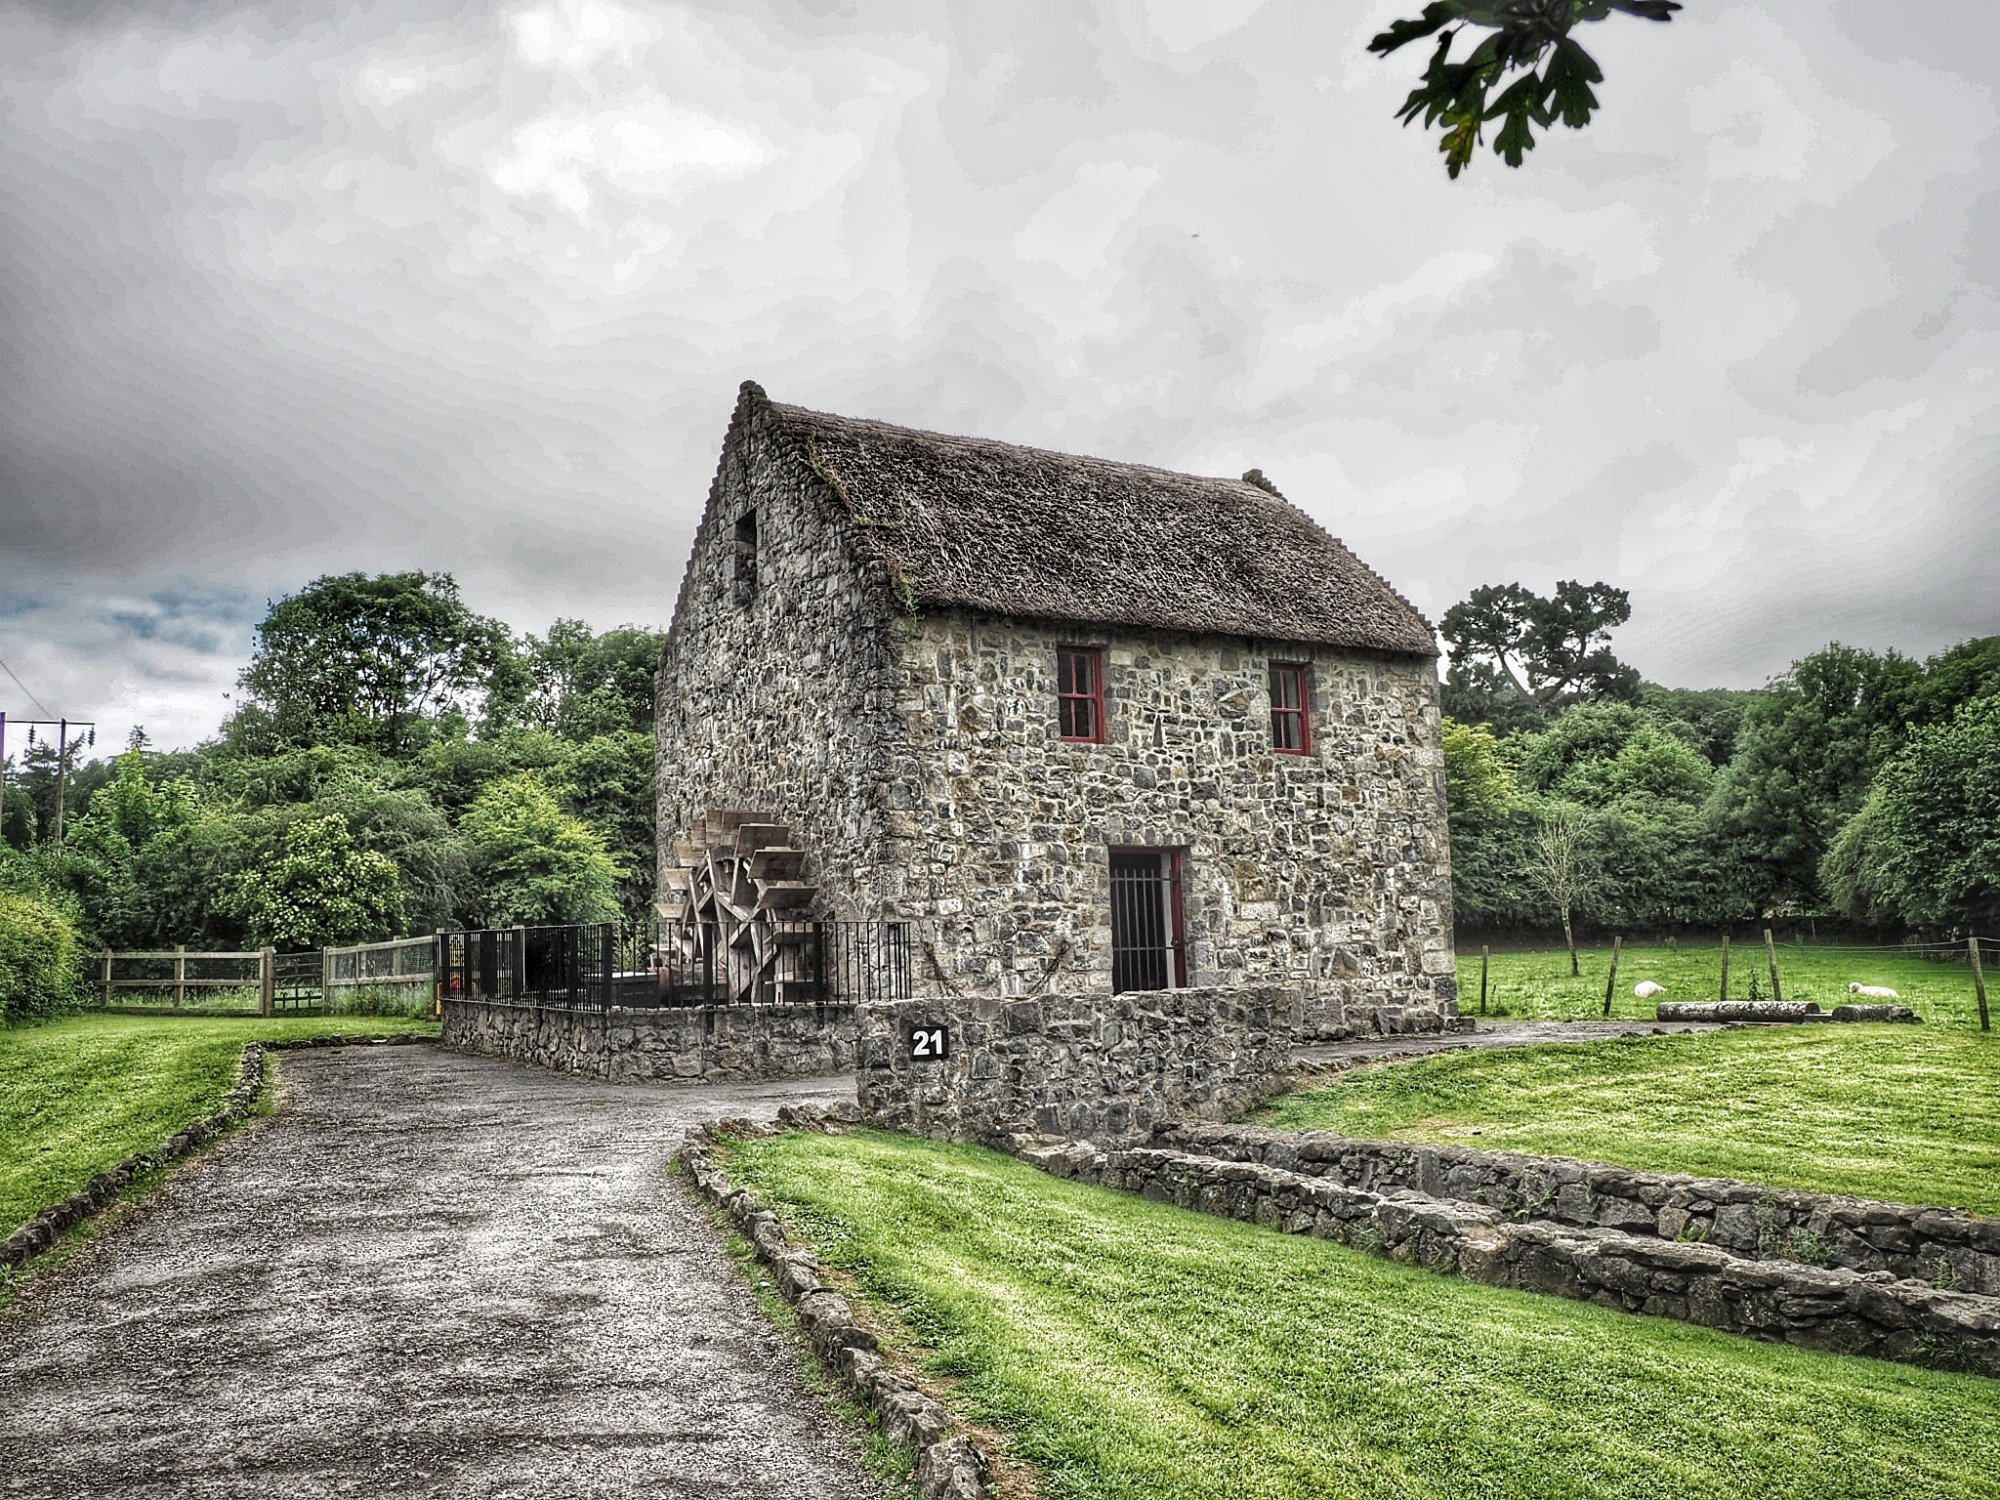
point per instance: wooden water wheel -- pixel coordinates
(744, 918)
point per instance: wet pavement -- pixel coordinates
(428, 1275)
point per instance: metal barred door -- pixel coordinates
(1147, 929)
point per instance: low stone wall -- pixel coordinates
(1101, 1067)
(1846, 1312)
(949, 1465)
(1952, 1250)
(706, 1044)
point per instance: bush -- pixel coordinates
(41, 964)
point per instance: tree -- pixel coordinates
(1924, 848)
(364, 660)
(1511, 648)
(1556, 869)
(534, 863)
(1526, 34)
(323, 890)
(579, 685)
(610, 782)
(1805, 757)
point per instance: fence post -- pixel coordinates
(1485, 956)
(180, 974)
(267, 989)
(1979, 983)
(520, 959)
(1617, 947)
(1725, 967)
(609, 973)
(107, 978)
(1771, 952)
(440, 971)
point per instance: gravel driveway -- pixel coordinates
(429, 1275)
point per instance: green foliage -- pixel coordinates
(1131, 1348)
(373, 661)
(1512, 649)
(1805, 757)
(578, 685)
(534, 863)
(611, 783)
(1527, 35)
(1924, 850)
(41, 966)
(321, 890)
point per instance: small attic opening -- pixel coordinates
(746, 557)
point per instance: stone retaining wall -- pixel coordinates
(1846, 1312)
(1111, 1067)
(1952, 1250)
(949, 1465)
(706, 1044)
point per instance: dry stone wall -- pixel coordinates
(708, 1044)
(1327, 873)
(1949, 1249)
(1111, 1067)
(1847, 1312)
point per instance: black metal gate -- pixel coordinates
(1148, 927)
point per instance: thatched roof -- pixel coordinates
(971, 524)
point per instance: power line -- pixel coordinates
(24, 688)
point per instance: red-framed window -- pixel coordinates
(1080, 693)
(1291, 708)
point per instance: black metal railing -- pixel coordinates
(679, 964)
(572, 965)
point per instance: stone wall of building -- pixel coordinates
(778, 700)
(1112, 1067)
(708, 1044)
(1327, 873)
(1757, 1222)
(1848, 1312)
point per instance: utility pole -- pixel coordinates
(63, 727)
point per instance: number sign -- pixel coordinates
(929, 1043)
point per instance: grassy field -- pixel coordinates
(1132, 1349)
(1909, 1113)
(1537, 983)
(77, 1096)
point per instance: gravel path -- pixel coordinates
(428, 1275)
(1489, 1034)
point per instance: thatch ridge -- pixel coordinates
(1004, 529)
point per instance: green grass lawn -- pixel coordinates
(1908, 1113)
(1537, 983)
(77, 1096)
(1137, 1351)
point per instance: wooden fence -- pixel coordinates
(290, 981)
(180, 971)
(399, 964)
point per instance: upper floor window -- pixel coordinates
(746, 557)
(1291, 708)
(1080, 692)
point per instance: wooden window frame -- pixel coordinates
(1301, 674)
(1094, 655)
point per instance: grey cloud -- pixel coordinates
(296, 289)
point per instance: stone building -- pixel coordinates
(1085, 726)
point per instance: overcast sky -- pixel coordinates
(471, 287)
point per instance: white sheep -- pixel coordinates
(1646, 989)
(1873, 991)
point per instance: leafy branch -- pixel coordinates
(1531, 39)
